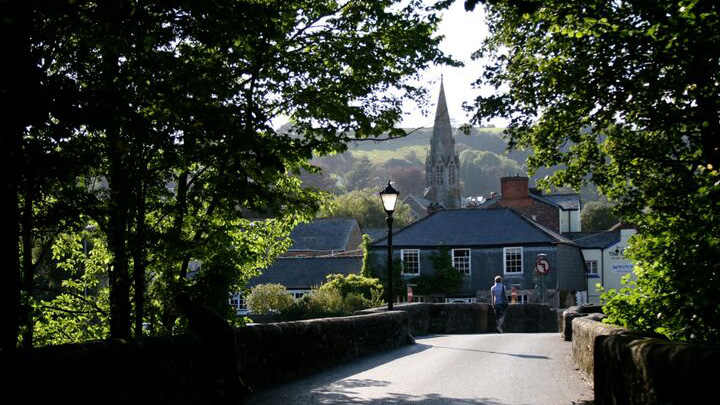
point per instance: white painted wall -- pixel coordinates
(569, 220)
(616, 265)
(593, 296)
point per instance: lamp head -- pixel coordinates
(389, 198)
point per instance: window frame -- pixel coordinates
(588, 273)
(402, 261)
(469, 261)
(505, 260)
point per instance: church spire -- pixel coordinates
(442, 143)
(442, 163)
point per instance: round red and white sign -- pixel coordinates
(542, 266)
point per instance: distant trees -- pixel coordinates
(598, 216)
(481, 171)
(366, 207)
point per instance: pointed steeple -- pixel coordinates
(442, 163)
(442, 143)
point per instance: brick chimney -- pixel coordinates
(515, 192)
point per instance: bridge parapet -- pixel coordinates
(632, 367)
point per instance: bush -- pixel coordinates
(269, 298)
(352, 284)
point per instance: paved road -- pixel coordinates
(490, 369)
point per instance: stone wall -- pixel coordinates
(575, 312)
(425, 318)
(630, 367)
(530, 318)
(176, 370)
(277, 352)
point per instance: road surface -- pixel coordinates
(490, 369)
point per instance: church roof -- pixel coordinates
(474, 227)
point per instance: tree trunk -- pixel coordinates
(139, 260)
(117, 236)
(27, 263)
(20, 105)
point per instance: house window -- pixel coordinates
(592, 268)
(513, 260)
(237, 301)
(297, 294)
(461, 261)
(410, 261)
(519, 299)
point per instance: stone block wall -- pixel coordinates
(530, 318)
(631, 367)
(584, 333)
(425, 318)
(278, 352)
(575, 312)
(176, 369)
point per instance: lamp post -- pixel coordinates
(389, 199)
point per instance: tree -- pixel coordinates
(269, 298)
(630, 90)
(445, 279)
(168, 107)
(365, 206)
(360, 176)
(353, 284)
(598, 216)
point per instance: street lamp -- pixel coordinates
(389, 199)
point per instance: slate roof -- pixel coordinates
(473, 227)
(324, 234)
(418, 205)
(594, 240)
(305, 272)
(565, 201)
(375, 233)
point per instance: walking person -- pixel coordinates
(499, 301)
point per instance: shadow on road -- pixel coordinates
(523, 356)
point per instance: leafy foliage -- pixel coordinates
(597, 216)
(366, 207)
(77, 309)
(352, 284)
(445, 279)
(167, 110)
(268, 298)
(625, 92)
(340, 296)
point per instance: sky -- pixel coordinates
(464, 32)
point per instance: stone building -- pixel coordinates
(442, 165)
(484, 243)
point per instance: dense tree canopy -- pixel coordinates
(632, 88)
(597, 216)
(166, 110)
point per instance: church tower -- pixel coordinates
(442, 175)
